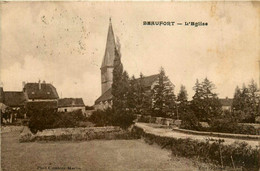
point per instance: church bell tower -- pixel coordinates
(107, 66)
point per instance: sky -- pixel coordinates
(63, 43)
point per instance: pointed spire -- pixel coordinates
(108, 60)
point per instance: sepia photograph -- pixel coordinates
(130, 86)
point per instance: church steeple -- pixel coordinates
(107, 66)
(108, 60)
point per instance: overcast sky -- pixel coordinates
(64, 43)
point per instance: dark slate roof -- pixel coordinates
(109, 56)
(71, 102)
(147, 81)
(226, 102)
(47, 91)
(14, 98)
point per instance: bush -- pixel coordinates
(47, 118)
(190, 121)
(229, 126)
(108, 117)
(227, 123)
(243, 155)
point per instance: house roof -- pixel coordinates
(14, 98)
(40, 91)
(226, 102)
(71, 102)
(147, 81)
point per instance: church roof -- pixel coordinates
(105, 96)
(147, 81)
(109, 56)
(71, 102)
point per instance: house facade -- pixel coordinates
(226, 104)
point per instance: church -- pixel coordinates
(107, 67)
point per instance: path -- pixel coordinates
(169, 133)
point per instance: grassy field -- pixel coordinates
(88, 155)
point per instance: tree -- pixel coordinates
(237, 101)
(121, 114)
(163, 96)
(143, 97)
(117, 82)
(132, 95)
(182, 100)
(205, 103)
(246, 102)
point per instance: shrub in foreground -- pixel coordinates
(41, 119)
(109, 117)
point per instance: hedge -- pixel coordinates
(234, 155)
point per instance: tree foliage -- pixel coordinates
(246, 102)
(205, 103)
(144, 101)
(47, 118)
(163, 96)
(182, 100)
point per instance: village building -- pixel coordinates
(107, 67)
(71, 104)
(226, 104)
(40, 95)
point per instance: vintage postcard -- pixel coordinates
(114, 86)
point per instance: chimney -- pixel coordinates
(39, 84)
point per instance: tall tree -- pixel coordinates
(118, 85)
(120, 90)
(182, 100)
(205, 103)
(183, 95)
(143, 97)
(163, 96)
(132, 95)
(236, 105)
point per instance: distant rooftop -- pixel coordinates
(226, 101)
(40, 91)
(71, 102)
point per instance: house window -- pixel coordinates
(65, 110)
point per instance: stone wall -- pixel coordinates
(158, 120)
(76, 134)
